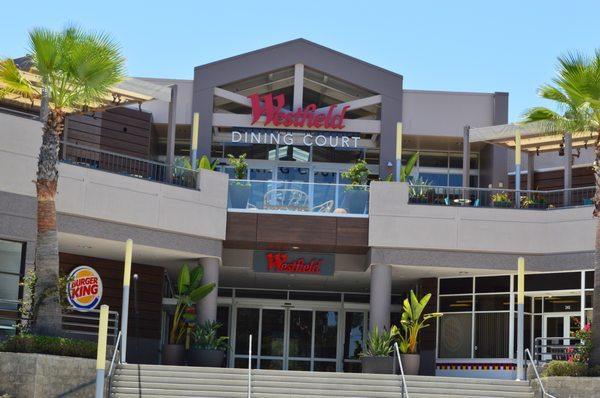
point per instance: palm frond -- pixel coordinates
(13, 82)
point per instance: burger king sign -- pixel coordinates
(84, 288)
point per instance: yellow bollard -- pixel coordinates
(520, 316)
(398, 150)
(125, 304)
(101, 354)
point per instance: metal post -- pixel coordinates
(530, 170)
(466, 161)
(249, 365)
(101, 352)
(568, 178)
(125, 304)
(171, 131)
(194, 143)
(398, 150)
(520, 316)
(518, 169)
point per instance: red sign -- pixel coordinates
(272, 108)
(278, 262)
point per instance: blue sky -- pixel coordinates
(437, 45)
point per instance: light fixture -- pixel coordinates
(295, 247)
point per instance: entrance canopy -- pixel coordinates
(535, 137)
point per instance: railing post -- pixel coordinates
(101, 352)
(520, 316)
(125, 304)
(249, 366)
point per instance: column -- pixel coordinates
(466, 157)
(568, 180)
(381, 296)
(171, 131)
(207, 307)
(518, 169)
(530, 170)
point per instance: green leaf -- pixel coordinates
(410, 164)
(183, 281)
(201, 292)
(196, 276)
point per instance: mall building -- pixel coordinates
(303, 261)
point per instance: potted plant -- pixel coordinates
(239, 190)
(208, 349)
(411, 323)
(376, 358)
(356, 193)
(189, 292)
(501, 199)
(418, 190)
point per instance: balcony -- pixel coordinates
(292, 197)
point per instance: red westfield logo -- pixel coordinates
(278, 262)
(272, 108)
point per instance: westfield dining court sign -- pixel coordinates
(268, 111)
(293, 262)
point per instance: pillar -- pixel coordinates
(466, 157)
(530, 170)
(381, 296)
(518, 169)
(568, 180)
(171, 131)
(207, 307)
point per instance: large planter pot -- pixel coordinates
(410, 363)
(173, 354)
(379, 365)
(355, 201)
(207, 358)
(239, 193)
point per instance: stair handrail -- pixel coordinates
(544, 393)
(249, 366)
(404, 388)
(115, 359)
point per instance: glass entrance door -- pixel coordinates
(287, 338)
(557, 329)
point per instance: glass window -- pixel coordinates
(300, 333)
(433, 160)
(273, 322)
(588, 299)
(456, 285)
(455, 336)
(491, 335)
(247, 324)
(527, 303)
(10, 256)
(326, 323)
(456, 303)
(10, 274)
(321, 366)
(492, 302)
(354, 333)
(456, 162)
(551, 281)
(492, 284)
(589, 280)
(562, 303)
(436, 179)
(455, 180)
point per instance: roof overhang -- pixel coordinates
(535, 137)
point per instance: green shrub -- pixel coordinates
(49, 345)
(565, 368)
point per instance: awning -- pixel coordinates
(534, 137)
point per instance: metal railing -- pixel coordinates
(547, 349)
(86, 323)
(116, 359)
(537, 375)
(94, 158)
(404, 388)
(298, 197)
(249, 366)
(500, 198)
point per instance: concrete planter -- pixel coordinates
(25, 375)
(378, 365)
(568, 387)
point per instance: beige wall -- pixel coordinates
(393, 223)
(113, 197)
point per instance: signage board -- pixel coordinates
(84, 288)
(303, 138)
(273, 261)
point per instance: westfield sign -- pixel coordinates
(272, 109)
(276, 262)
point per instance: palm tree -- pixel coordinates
(76, 71)
(576, 91)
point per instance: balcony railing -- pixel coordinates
(145, 169)
(298, 197)
(500, 198)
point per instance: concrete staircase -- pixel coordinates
(157, 381)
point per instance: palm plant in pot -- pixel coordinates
(208, 348)
(356, 193)
(239, 191)
(375, 358)
(189, 292)
(411, 323)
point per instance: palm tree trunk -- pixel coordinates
(47, 310)
(595, 354)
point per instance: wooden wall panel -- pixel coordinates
(554, 179)
(308, 233)
(121, 130)
(150, 291)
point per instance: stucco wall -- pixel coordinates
(395, 223)
(568, 387)
(46, 376)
